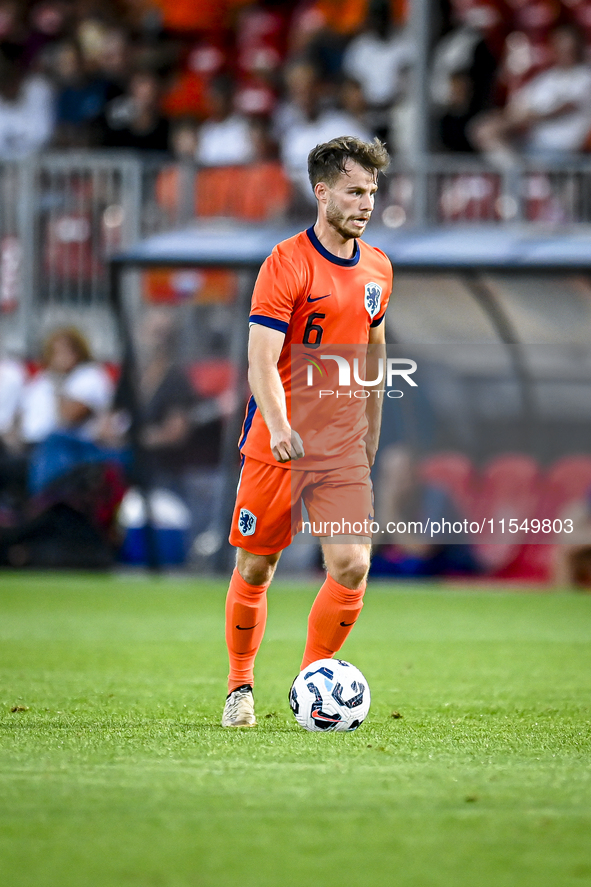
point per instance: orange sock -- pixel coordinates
(246, 615)
(333, 614)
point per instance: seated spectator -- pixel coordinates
(48, 24)
(184, 139)
(26, 109)
(62, 405)
(352, 101)
(113, 62)
(225, 138)
(68, 394)
(12, 25)
(550, 116)
(303, 123)
(463, 74)
(301, 79)
(65, 515)
(377, 58)
(165, 401)
(465, 51)
(454, 122)
(404, 499)
(178, 429)
(572, 555)
(80, 99)
(134, 121)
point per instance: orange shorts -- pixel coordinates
(268, 510)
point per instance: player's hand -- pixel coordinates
(287, 445)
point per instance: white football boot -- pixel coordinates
(239, 708)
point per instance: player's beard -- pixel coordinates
(337, 219)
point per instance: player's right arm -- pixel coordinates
(264, 349)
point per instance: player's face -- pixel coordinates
(350, 201)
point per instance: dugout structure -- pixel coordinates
(475, 259)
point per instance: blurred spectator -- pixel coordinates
(300, 84)
(80, 99)
(48, 25)
(62, 405)
(261, 38)
(64, 515)
(179, 430)
(463, 75)
(69, 393)
(551, 115)
(12, 27)
(454, 122)
(134, 120)
(302, 124)
(112, 62)
(264, 146)
(12, 381)
(402, 499)
(352, 101)
(225, 137)
(184, 139)
(165, 401)
(377, 58)
(187, 92)
(165, 392)
(13, 468)
(465, 49)
(26, 109)
(572, 555)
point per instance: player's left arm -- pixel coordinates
(374, 404)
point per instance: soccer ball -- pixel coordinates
(330, 695)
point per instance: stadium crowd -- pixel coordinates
(235, 81)
(252, 85)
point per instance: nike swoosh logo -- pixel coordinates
(347, 624)
(322, 717)
(246, 627)
(319, 298)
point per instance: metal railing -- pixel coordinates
(444, 190)
(62, 215)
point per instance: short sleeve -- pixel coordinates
(385, 299)
(275, 292)
(90, 385)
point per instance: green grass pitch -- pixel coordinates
(114, 771)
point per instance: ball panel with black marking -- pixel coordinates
(330, 695)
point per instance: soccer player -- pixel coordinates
(324, 287)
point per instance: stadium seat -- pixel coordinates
(510, 477)
(510, 489)
(210, 378)
(257, 192)
(454, 473)
(568, 480)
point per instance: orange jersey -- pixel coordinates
(319, 301)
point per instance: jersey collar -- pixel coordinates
(336, 260)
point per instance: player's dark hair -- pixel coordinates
(328, 161)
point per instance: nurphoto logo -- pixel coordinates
(386, 372)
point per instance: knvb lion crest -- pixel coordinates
(373, 296)
(247, 522)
